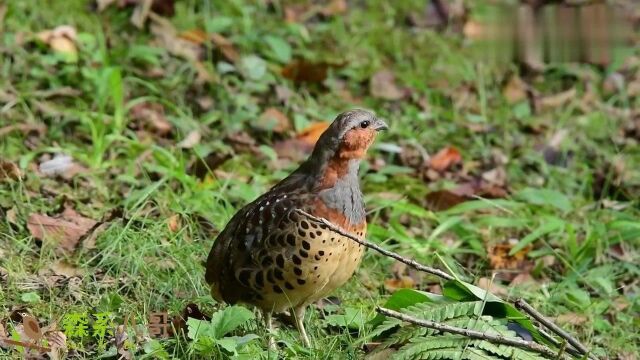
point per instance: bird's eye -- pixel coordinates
(364, 124)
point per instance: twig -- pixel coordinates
(414, 264)
(523, 305)
(498, 339)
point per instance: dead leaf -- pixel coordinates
(403, 282)
(62, 267)
(201, 167)
(445, 158)
(334, 7)
(192, 139)
(150, 116)
(174, 223)
(65, 230)
(383, 85)
(556, 100)
(571, 319)
(121, 342)
(90, 242)
(61, 40)
(499, 257)
(168, 38)
(515, 90)
(61, 165)
(9, 170)
(226, 47)
(297, 148)
(445, 199)
(196, 36)
(274, 120)
(522, 279)
(57, 342)
(40, 129)
(492, 286)
(305, 71)
(295, 13)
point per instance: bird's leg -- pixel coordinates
(268, 321)
(298, 313)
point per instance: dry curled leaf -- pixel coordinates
(305, 71)
(174, 223)
(65, 230)
(300, 146)
(192, 139)
(61, 40)
(499, 257)
(445, 199)
(274, 120)
(226, 47)
(383, 85)
(61, 165)
(167, 37)
(515, 90)
(445, 158)
(151, 117)
(57, 342)
(9, 170)
(64, 268)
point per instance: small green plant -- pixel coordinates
(211, 336)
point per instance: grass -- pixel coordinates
(140, 265)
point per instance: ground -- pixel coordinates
(542, 167)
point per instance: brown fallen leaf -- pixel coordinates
(556, 100)
(167, 37)
(445, 158)
(226, 47)
(383, 85)
(334, 7)
(201, 167)
(441, 200)
(274, 120)
(492, 286)
(305, 71)
(62, 267)
(192, 139)
(9, 170)
(403, 282)
(57, 342)
(61, 40)
(65, 230)
(515, 90)
(297, 148)
(151, 117)
(499, 257)
(571, 319)
(196, 36)
(174, 223)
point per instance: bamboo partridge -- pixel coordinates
(272, 256)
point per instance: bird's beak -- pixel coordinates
(380, 125)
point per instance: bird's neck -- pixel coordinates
(339, 188)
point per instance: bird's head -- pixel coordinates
(348, 137)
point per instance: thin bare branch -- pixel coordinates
(414, 264)
(524, 306)
(493, 338)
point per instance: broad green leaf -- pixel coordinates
(280, 48)
(545, 197)
(549, 225)
(199, 328)
(30, 297)
(227, 320)
(352, 318)
(253, 67)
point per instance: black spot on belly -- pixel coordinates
(278, 273)
(260, 279)
(317, 257)
(280, 261)
(270, 276)
(301, 281)
(296, 259)
(318, 232)
(243, 277)
(304, 224)
(291, 239)
(313, 236)
(267, 261)
(297, 271)
(277, 289)
(306, 245)
(282, 240)
(321, 253)
(288, 285)
(304, 254)
(302, 233)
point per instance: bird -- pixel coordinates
(270, 255)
